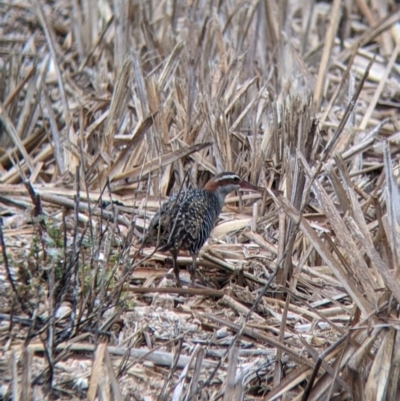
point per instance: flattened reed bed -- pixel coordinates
(108, 108)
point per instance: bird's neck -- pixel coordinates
(211, 186)
(219, 193)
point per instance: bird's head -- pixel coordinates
(226, 182)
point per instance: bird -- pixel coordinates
(184, 221)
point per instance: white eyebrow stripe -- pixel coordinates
(226, 177)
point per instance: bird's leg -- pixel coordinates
(193, 268)
(174, 254)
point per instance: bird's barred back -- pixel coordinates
(185, 221)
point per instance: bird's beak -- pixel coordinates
(251, 187)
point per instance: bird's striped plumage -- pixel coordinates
(185, 221)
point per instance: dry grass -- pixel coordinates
(108, 107)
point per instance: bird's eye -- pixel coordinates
(236, 179)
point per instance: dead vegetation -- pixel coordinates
(108, 107)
